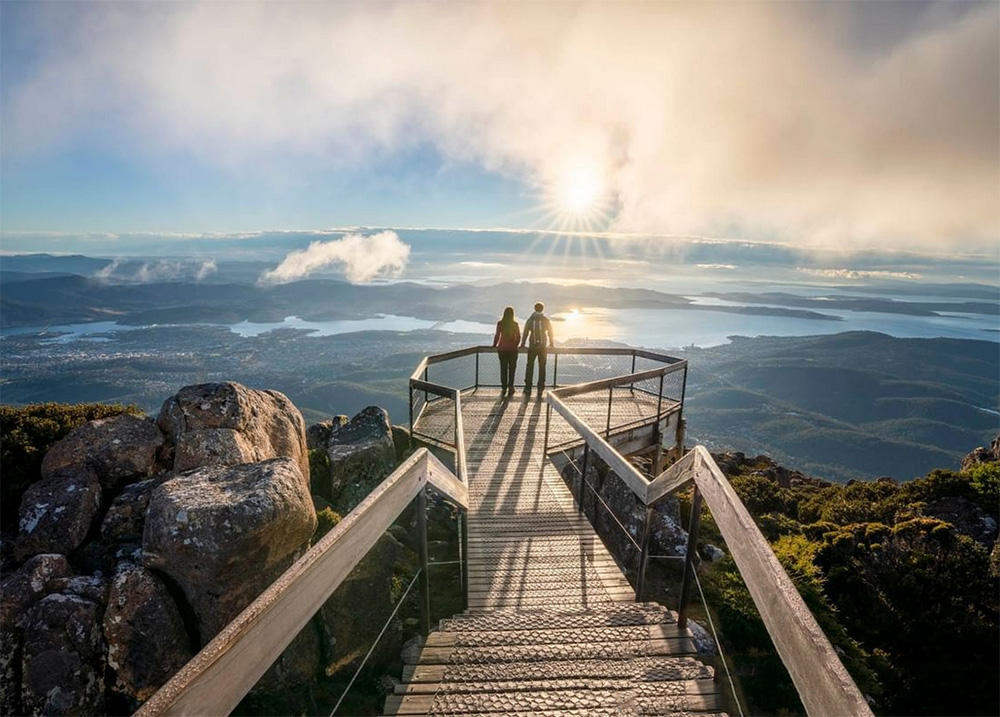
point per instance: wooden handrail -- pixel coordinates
(226, 669)
(823, 683)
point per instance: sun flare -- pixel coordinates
(580, 190)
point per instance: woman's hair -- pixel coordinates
(508, 323)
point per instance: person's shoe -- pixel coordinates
(527, 392)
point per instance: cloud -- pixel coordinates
(861, 274)
(159, 270)
(361, 258)
(803, 122)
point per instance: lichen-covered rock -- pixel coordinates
(19, 591)
(63, 661)
(120, 450)
(23, 587)
(361, 455)
(146, 639)
(56, 512)
(224, 533)
(222, 424)
(127, 513)
(90, 587)
(318, 434)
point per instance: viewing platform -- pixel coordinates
(551, 624)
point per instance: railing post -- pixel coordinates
(583, 477)
(425, 392)
(607, 432)
(411, 407)
(555, 372)
(631, 386)
(463, 557)
(640, 581)
(477, 370)
(692, 549)
(425, 586)
(548, 420)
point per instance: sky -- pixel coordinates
(855, 126)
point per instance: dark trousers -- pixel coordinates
(540, 353)
(508, 367)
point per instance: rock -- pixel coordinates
(982, 455)
(347, 630)
(127, 513)
(361, 455)
(401, 440)
(20, 589)
(120, 450)
(966, 516)
(89, 587)
(63, 661)
(222, 424)
(224, 533)
(56, 512)
(704, 643)
(711, 553)
(318, 434)
(146, 639)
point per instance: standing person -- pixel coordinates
(538, 337)
(506, 339)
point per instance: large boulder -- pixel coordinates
(63, 660)
(57, 511)
(19, 591)
(126, 515)
(361, 453)
(318, 434)
(120, 450)
(223, 534)
(223, 424)
(146, 638)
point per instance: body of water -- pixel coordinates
(655, 328)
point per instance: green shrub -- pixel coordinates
(326, 519)
(984, 480)
(27, 433)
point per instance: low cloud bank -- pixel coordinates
(361, 258)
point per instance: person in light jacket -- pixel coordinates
(538, 337)
(506, 339)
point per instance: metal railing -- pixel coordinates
(447, 376)
(824, 685)
(215, 680)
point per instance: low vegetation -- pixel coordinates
(898, 575)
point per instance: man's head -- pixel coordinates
(539, 306)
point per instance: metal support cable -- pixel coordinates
(375, 643)
(718, 644)
(606, 506)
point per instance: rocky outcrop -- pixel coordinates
(63, 659)
(361, 454)
(223, 424)
(146, 638)
(318, 434)
(223, 534)
(983, 455)
(57, 512)
(119, 450)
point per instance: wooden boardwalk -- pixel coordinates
(552, 625)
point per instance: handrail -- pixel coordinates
(224, 671)
(824, 685)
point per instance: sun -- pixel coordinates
(580, 189)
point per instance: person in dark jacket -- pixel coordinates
(506, 339)
(538, 337)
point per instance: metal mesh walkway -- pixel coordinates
(552, 626)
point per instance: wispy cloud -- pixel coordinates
(361, 258)
(861, 274)
(785, 121)
(158, 270)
